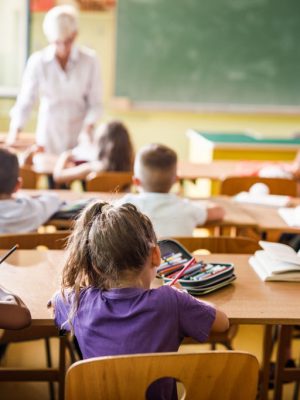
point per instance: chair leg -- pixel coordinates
(296, 390)
(62, 367)
(49, 365)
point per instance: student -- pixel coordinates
(113, 152)
(154, 174)
(111, 261)
(20, 213)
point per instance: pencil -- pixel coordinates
(9, 253)
(180, 273)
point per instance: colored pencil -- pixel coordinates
(180, 273)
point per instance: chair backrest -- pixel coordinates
(236, 184)
(29, 178)
(109, 182)
(209, 375)
(53, 240)
(222, 244)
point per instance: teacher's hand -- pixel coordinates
(12, 137)
(89, 129)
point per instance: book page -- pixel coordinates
(259, 268)
(280, 252)
(291, 216)
(274, 266)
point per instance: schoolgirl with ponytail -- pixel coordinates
(107, 299)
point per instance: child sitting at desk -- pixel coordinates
(111, 261)
(111, 151)
(154, 175)
(20, 213)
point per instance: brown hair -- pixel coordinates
(107, 241)
(9, 171)
(116, 150)
(155, 166)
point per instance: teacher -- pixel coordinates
(66, 80)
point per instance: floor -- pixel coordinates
(31, 354)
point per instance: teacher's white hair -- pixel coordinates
(60, 23)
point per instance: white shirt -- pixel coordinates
(170, 214)
(69, 98)
(26, 214)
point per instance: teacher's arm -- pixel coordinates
(26, 99)
(94, 97)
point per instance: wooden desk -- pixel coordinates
(265, 220)
(262, 219)
(34, 275)
(216, 170)
(24, 141)
(205, 147)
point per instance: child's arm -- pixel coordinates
(215, 212)
(13, 312)
(221, 322)
(64, 174)
(26, 158)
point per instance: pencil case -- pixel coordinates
(199, 279)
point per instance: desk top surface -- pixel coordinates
(262, 218)
(35, 276)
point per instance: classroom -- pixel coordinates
(205, 99)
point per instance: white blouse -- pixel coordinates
(69, 99)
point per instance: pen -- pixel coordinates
(171, 263)
(180, 273)
(9, 253)
(172, 257)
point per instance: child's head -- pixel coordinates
(155, 168)
(115, 147)
(9, 172)
(109, 244)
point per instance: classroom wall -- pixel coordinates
(98, 31)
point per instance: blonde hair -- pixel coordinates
(107, 241)
(155, 166)
(60, 23)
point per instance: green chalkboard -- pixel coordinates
(240, 53)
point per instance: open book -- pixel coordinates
(290, 215)
(276, 262)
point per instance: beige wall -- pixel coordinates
(98, 32)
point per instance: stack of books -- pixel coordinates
(276, 262)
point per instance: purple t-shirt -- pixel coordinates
(134, 320)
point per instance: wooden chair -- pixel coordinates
(205, 376)
(220, 244)
(55, 240)
(236, 184)
(109, 182)
(29, 177)
(223, 244)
